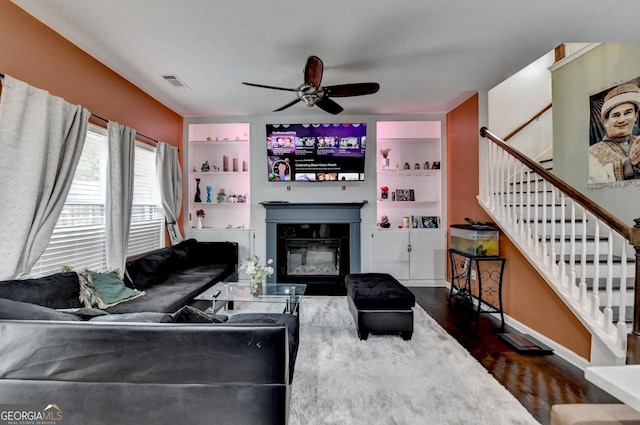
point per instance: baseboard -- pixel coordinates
(425, 283)
(559, 350)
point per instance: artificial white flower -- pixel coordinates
(255, 270)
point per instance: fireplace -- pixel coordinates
(312, 252)
(315, 244)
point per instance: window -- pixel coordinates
(78, 239)
(147, 216)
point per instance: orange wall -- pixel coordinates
(526, 296)
(35, 54)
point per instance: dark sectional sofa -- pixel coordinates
(150, 359)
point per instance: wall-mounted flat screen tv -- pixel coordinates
(316, 152)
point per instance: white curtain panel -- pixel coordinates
(120, 174)
(41, 140)
(169, 177)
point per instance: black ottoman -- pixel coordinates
(380, 304)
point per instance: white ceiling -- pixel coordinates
(427, 55)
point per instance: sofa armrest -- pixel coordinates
(144, 353)
(215, 253)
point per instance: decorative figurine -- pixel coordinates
(205, 167)
(416, 166)
(407, 166)
(384, 222)
(208, 194)
(222, 197)
(426, 165)
(197, 197)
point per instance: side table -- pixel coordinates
(476, 281)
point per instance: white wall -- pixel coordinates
(519, 98)
(572, 83)
(339, 191)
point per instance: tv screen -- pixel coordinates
(316, 152)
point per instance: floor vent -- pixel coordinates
(524, 343)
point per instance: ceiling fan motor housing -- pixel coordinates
(309, 94)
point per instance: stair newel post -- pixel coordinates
(633, 339)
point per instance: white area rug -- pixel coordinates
(388, 381)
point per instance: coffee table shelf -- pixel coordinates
(225, 294)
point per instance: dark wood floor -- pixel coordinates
(537, 381)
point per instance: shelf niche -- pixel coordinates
(225, 149)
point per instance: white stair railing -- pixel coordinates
(581, 251)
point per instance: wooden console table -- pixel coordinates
(476, 282)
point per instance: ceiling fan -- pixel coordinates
(312, 93)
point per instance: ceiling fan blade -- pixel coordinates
(329, 105)
(293, 102)
(313, 71)
(356, 89)
(268, 87)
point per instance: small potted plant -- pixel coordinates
(385, 158)
(200, 215)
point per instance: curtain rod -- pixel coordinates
(107, 121)
(137, 134)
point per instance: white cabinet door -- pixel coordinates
(413, 256)
(427, 260)
(390, 253)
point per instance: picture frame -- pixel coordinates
(430, 222)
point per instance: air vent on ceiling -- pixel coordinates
(176, 82)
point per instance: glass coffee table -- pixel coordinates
(225, 294)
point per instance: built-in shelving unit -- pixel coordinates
(413, 247)
(223, 148)
(219, 177)
(412, 181)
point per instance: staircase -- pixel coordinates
(581, 251)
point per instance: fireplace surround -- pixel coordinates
(314, 243)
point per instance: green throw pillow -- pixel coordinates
(110, 289)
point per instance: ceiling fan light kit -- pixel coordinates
(313, 94)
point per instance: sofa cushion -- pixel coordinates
(59, 290)
(144, 317)
(17, 310)
(152, 268)
(184, 250)
(178, 290)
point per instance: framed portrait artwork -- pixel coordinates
(614, 136)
